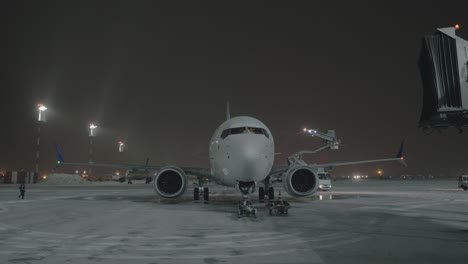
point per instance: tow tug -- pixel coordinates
(246, 208)
(278, 207)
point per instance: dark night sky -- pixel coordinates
(158, 74)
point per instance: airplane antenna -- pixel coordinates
(228, 112)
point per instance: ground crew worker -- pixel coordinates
(22, 189)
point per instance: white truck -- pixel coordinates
(324, 180)
(463, 182)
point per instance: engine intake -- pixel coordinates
(170, 182)
(300, 181)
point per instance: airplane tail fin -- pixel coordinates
(59, 155)
(400, 154)
(228, 111)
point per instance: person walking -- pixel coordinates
(22, 189)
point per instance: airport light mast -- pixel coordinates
(121, 146)
(40, 120)
(92, 127)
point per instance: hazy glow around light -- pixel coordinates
(41, 107)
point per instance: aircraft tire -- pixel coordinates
(196, 194)
(261, 194)
(271, 193)
(206, 194)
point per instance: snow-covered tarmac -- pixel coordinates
(356, 222)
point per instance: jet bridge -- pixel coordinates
(444, 71)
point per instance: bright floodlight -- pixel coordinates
(121, 144)
(92, 126)
(41, 109)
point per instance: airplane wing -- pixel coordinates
(199, 172)
(335, 164)
(399, 157)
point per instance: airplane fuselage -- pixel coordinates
(241, 150)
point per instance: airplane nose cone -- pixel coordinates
(255, 164)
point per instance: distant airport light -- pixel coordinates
(457, 26)
(305, 129)
(41, 109)
(92, 126)
(121, 146)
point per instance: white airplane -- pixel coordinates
(241, 154)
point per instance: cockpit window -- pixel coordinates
(244, 130)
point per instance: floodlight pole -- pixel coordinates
(41, 108)
(38, 144)
(92, 126)
(121, 146)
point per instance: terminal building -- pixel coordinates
(444, 71)
(19, 177)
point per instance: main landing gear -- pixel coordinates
(201, 191)
(266, 191)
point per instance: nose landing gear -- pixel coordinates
(245, 206)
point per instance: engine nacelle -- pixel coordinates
(170, 182)
(300, 181)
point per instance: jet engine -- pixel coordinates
(300, 181)
(170, 182)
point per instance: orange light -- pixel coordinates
(457, 26)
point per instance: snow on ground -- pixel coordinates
(63, 179)
(356, 222)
